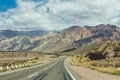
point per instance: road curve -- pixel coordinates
(54, 70)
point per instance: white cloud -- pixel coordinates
(58, 14)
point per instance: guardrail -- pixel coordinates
(12, 67)
(16, 66)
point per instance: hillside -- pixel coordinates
(18, 43)
(67, 39)
(99, 33)
(100, 50)
(6, 34)
(101, 56)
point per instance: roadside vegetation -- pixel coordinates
(102, 56)
(15, 60)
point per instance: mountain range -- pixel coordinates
(65, 40)
(6, 34)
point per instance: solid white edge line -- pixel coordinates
(71, 75)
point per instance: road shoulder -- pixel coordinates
(83, 73)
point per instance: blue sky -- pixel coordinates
(57, 14)
(7, 4)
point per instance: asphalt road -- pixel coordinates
(54, 70)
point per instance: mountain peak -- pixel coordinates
(73, 27)
(107, 25)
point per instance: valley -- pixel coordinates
(97, 48)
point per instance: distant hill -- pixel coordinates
(67, 39)
(6, 34)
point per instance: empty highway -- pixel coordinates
(54, 70)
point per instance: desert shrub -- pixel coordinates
(117, 48)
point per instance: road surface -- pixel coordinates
(54, 70)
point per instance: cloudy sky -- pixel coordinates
(57, 14)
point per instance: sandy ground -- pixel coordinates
(84, 73)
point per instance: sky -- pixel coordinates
(57, 14)
(7, 4)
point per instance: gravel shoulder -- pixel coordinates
(84, 73)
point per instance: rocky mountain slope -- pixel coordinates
(69, 38)
(100, 50)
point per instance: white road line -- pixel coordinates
(42, 70)
(73, 78)
(36, 73)
(33, 75)
(45, 68)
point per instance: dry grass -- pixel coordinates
(28, 62)
(111, 66)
